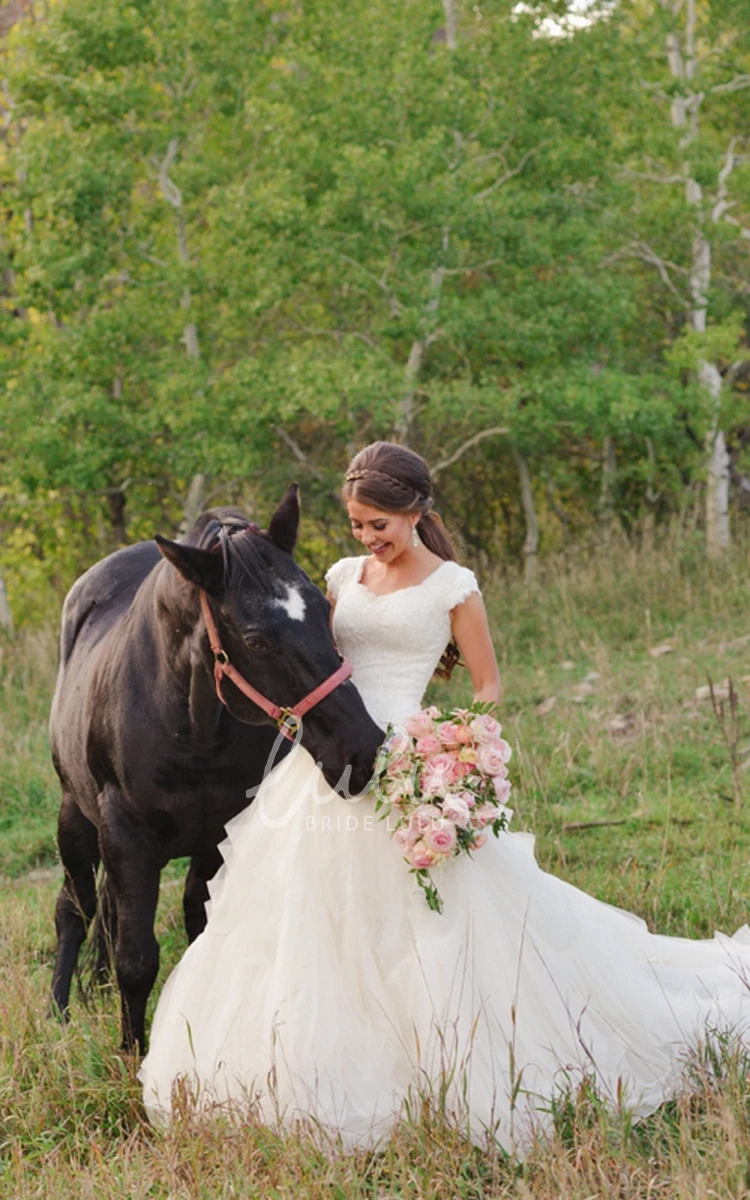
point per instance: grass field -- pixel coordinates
(636, 791)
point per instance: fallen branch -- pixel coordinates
(577, 826)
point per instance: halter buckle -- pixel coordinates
(288, 722)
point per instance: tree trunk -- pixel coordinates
(559, 512)
(411, 374)
(684, 112)
(451, 37)
(116, 509)
(173, 197)
(193, 506)
(405, 416)
(717, 495)
(6, 621)
(649, 520)
(531, 541)
(607, 493)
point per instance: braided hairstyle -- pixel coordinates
(395, 479)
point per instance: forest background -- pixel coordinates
(241, 240)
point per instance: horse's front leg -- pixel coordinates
(132, 858)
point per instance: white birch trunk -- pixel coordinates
(173, 197)
(451, 36)
(405, 416)
(411, 375)
(684, 113)
(193, 506)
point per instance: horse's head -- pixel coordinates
(273, 624)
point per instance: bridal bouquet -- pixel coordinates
(443, 776)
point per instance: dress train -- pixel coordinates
(324, 988)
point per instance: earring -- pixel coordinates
(415, 539)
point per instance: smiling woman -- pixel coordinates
(388, 495)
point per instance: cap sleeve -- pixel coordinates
(339, 574)
(457, 585)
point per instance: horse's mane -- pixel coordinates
(240, 542)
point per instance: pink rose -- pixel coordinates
(440, 837)
(491, 760)
(439, 773)
(429, 784)
(502, 788)
(425, 815)
(504, 749)
(428, 745)
(448, 733)
(479, 840)
(484, 815)
(456, 809)
(463, 735)
(419, 724)
(397, 742)
(485, 728)
(399, 766)
(468, 798)
(461, 769)
(404, 838)
(445, 762)
(420, 856)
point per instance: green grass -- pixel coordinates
(627, 785)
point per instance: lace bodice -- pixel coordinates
(394, 642)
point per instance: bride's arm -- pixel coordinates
(472, 634)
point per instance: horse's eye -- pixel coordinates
(255, 641)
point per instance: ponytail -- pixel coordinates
(435, 537)
(433, 533)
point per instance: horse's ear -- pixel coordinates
(200, 567)
(282, 528)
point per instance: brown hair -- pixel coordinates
(395, 479)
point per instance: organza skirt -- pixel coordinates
(324, 990)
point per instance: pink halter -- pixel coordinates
(287, 719)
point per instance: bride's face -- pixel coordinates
(385, 535)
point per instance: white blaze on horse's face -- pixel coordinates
(293, 604)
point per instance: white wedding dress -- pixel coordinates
(324, 988)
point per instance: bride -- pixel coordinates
(324, 989)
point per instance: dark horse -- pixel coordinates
(152, 763)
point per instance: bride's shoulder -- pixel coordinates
(456, 584)
(342, 572)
